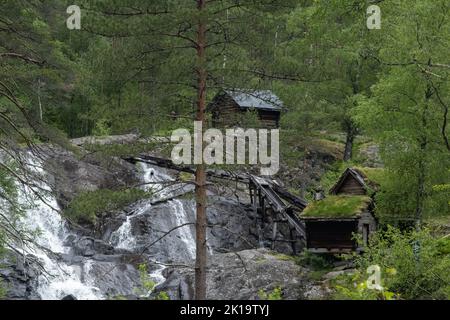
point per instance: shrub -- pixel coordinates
(414, 264)
(315, 261)
(148, 285)
(87, 206)
(276, 294)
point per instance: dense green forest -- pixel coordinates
(149, 67)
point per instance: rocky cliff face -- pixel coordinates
(70, 174)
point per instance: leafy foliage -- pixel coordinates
(89, 205)
(354, 287)
(275, 294)
(413, 264)
(148, 285)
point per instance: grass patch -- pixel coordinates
(374, 175)
(317, 275)
(89, 205)
(443, 246)
(318, 264)
(283, 257)
(324, 146)
(336, 207)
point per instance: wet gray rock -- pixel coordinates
(114, 278)
(88, 246)
(19, 276)
(232, 226)
(69, 175)
(369, 155)
(244, 275)
(150, 228)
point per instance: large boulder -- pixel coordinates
(245, 275)
(89, 246)
(113, 276)
(369, 155)
(19, 276)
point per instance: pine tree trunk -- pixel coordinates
(420, 195)
(351, 132)
(200, 175)
(349, 146)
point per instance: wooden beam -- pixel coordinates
(274, 234)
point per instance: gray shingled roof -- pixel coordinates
(258, 99)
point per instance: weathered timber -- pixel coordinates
(265, 192)
(167, 163)
(228, 107)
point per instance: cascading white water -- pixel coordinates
(41, 216)
(181, 218)
(124, 238)
(61, 279)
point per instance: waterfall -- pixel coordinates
(41, 217)
(123, 237)
(181, 218)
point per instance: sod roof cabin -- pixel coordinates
(229, 106)
(332, 222)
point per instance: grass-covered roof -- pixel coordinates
(372, 175)
(337, 206)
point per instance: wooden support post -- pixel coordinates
(274, 234)
(263, 208)
(292, 236)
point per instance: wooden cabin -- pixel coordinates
(331, 223)
(229, 106)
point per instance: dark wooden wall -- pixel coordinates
(331, 234)
(269, 119)
(351, 186)
(226, 113)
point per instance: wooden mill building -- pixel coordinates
(229, 106)
(331, 223)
